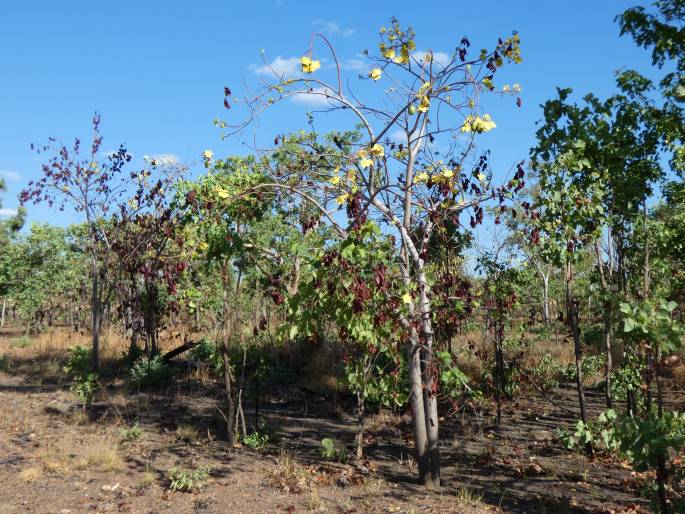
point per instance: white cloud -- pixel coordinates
(279, 67)
(318, 97)
(356, 64)
(10, 175)
(332, 28)
(7, 213)
(439, 58)
(164, 160)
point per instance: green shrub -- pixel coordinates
(188, 480)
(547, 373)
(256, 440)
(150, 372)
(204, 351)
(330, 451)
(79, 362)
(84, 388)
(131, 432)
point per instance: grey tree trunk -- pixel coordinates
(2, 316)
(417, 407)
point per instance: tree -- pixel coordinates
(107, 197)
(411, 188)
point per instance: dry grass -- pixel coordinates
(72, 453)
(31, 474)
(188, 434)
(375, 486)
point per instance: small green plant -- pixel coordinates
(330, 451)
(256, 440)
(131, 432)
(85, 383)
(547, 373)
(189, 481)
(600, 433)
(84, 388)
(204, 351)
(79, 361)
(150, 372)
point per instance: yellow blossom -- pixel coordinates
(207, 155)
(342, 198)
(406, 298)
(377, 150)
(505, 88)
(376, 74)
(447, 173)
(481, 177)
(478, 124)
(389, 53)
(309, 65)
(365, 162)
(222, 193)
(335, 180)
(421, 177)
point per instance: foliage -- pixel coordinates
(256, 440)
(600, 433)
(188, 480)
(85, 383)
(331, 451)
(131, 432)
(152, 372)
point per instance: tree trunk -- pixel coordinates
(545, 298)
(230, 403)
(2, 316)
(572, 314)
(360, 424)
(417, 408)
(96, 323)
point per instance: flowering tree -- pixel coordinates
(413, 167)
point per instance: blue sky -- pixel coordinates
(156, 70)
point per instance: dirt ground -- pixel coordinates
(56, 459)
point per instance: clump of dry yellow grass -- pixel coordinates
(70, 453)
(31, 474)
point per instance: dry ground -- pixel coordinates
(55, 459)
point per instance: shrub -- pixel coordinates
(204, 351)
(330, 451)
(256, 440)
(79, 361)
(131, 432)
(84, 387)
(150, 372)
(188, 480)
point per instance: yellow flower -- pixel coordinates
(222, 193)
(481, 177)
(448, 174)
(478, 124)
(207, 155)
(308, 65)
(377, 150)
(406, 298)
(203, 246)
(365, 162)
(505, 88)
(342, 198)
(335, 180)
(421, 177)
(376, 73)
(425, 104)
(389, 53)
